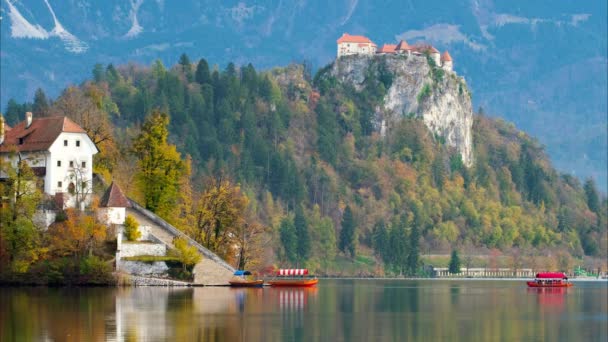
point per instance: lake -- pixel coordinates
(337, 310)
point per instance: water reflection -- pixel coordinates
(338, 310)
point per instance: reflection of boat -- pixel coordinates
(550, 279)
(243, 279)
(293, 277)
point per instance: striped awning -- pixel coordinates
(292, 272)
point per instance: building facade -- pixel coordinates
(59, 152)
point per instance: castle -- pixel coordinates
(361, 45)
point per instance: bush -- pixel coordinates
(95, 270)
(188, 255)
(132, 232)
(424, 93)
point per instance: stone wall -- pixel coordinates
(140, 268)
(128, 249)
(146, 281)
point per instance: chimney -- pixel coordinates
(1, 129)
(28, 119)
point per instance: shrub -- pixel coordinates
(132, 232)
(187, 254)
(95, 270)
(424, 93)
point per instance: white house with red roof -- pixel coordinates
(59, 152)
(355, 45)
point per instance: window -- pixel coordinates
(71, 163)
(84, 165)
(20, 141)
(77, 143)
(59, 185)
(65, 143)
(59, 163)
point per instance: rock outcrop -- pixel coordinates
(418, 88)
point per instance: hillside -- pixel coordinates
(541, 65)
(314, 165)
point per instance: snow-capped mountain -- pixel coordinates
(541, 64)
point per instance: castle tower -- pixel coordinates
(403, 47)
(446, 61)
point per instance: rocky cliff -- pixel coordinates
(416, 88)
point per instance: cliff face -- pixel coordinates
(440, 98)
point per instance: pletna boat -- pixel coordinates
(243, 279)
(293, 277)
(550, 279)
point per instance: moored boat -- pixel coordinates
(293, 277)
(550, 279)
(243, 279)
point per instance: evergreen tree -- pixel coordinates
(380, 241)
(40, 107)
(302, 236)
(347, 242)
(413, 255)
(98, 73)
(593, 200)
(202, 75)
(398, 247)
(186, 66)
(454, 267)
(287, 232)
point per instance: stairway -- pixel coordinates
(211, 270)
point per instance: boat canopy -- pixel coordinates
(242, 273)
(551, 275)
(292, 272)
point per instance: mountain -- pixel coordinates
(541, 64)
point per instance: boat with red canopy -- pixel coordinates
(550, 279)
(293, 277)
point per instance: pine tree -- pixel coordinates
(380, 241)
(454, 267)
(202, 75)
(593, 200)
(302, 236)
(413, 255)
(347, 234)
(40, 107)
(186, 66)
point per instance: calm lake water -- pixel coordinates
(337, 310)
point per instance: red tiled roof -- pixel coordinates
(40, 135)
(422, 48)
(403, 45)
(347, 38)
(445, 57)
(387, 48)
(114, 198)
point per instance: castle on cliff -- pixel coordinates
(361, 45)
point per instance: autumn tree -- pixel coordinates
(132, 232)
(79, 235)
(186, 254)
(220, 215)
(252, 240)
(160, 166)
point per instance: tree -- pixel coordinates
(413, 254)
(287, 232)
(347, 242)
(380, 241)
(186, 66)
(251, 244)
(41, 106)
(187, 255)
(80, 186)
(98, 73)
(79, 235)
(160, 166)
(593, 200)
(132, 232)
(454, 266)
(220, 215)
(202, 75)
(302, 236)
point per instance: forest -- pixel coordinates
(281, 168)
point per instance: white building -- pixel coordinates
(58, 150)
(112, 207)
(355, 45)
(446, 61)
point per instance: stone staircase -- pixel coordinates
(212, 270)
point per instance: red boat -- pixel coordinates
(550, 279)
(243, 279)
(293, 277)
